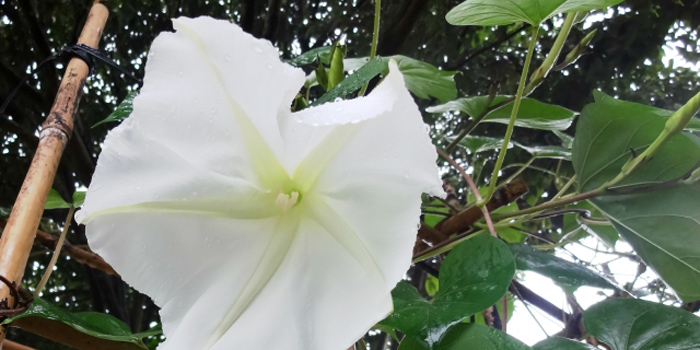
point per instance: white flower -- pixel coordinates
(252, 227)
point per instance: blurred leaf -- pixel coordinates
(123, 110)
(563, 272)
(606, 132)
(532, 113)
(499, 12)
(425, 80)
(78, 198)
(422, 79)
(566, 140)
(354, 82)
(552, 152)
(477, 144)
(474, 276)
(466, 336)
(94, 324)
(628, 324)
(310, 56)
(558, 343)
(55, 201)
(432, 285)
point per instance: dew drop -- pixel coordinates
(269, 67)
(257, 49)
(227, 58)
(213, 111)
(180, 73)
(337, 99)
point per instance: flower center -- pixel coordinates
(286, 201)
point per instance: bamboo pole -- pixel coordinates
(18, 236)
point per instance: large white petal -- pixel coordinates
(320, 299)
(194, 268)
(370, 164)
(204, 124)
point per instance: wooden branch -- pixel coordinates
(18, 236)
(463, 220)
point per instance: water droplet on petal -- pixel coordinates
(180, 73)
(213, 111)
(269, 67)
(227, 58)
(257, 49)
(338, 99)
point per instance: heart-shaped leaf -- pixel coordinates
(499, 12)
(627, 324)
(532, 113)
(558, 343)
(661, 225)
(473, 277)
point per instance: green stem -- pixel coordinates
(540, 73)
(551, 204)
(511, 124)
(674, 125)
(375, 38)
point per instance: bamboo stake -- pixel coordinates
(18, 236)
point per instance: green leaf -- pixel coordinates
(563, 272)
(601, 97)
(550, 151)
(558, 343)
(354, 82)
(660, 225)
(55, 201)
(78, 198)
(474, 276)
(94, 324)
(608, 131)
(532, 113)
(432, 285)
(627, 324)
(422, 79)
(310, 56)
(510, 235)
(425, 80)
(468, 336)
(477, 144)
(566, 140)
(499, 12)
(123, 110)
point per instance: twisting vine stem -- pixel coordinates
(56, 253)
(375, 38)
(511, 123)
(473, 187)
